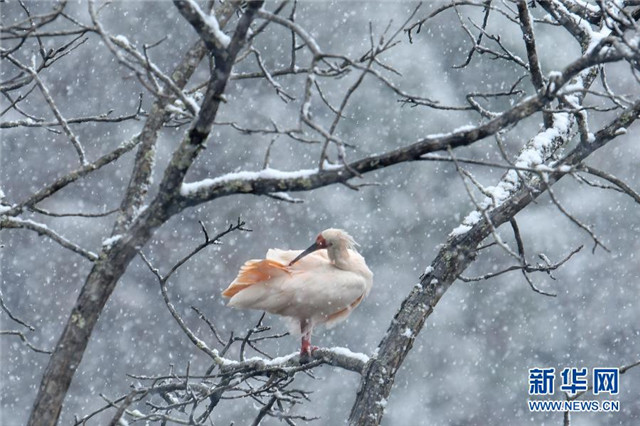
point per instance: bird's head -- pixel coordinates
(328, 238)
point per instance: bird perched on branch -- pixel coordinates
(320, 285)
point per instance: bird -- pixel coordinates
(319, 285)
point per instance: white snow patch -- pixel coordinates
(280, 360)
(268, 173)
(347, 353)
(464, 128)
(459, 230)
(621, 131)
(111, 240)
(428, 270)
(472, 218)
(407, 333)
(286, 197)
(122, 40)
(468, 222)
(136, 413)
(224, 361)
(326, 165)
(544, 168)
(212, 25)
(382, 403)
(138, 211)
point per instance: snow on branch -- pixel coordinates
(533, 154)
(42, 229)
(452, 259)
(194, 188)
(205, 24)
(270, 181)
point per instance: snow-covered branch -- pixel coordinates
(270, 181)
(7, 222)
(452, 259)
(205, 24)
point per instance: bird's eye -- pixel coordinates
(321, 242)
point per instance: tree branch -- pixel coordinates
(532, 53)
(7, 222)
(63, 181)
(24, 340)
(265, 181)
(611, 178)
(453, 258)
(115, 257)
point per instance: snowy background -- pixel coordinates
(469, 364)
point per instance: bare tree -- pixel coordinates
(578, 110)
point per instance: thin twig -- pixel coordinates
(24, 340)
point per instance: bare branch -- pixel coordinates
(63, 181)
(102, 118)
(532, 53)
(47, 96)
(241, 364)
(547, 267)
(24, 340)
(573, 219)
(621, 370)
(614, 180)
(12, 316)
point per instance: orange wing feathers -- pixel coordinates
(254, 272)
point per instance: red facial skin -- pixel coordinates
(321, 242)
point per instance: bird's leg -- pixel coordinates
(306, 344)
(305, 328)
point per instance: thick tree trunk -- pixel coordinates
(74, 339)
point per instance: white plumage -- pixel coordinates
(320, 285)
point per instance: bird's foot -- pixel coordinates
(306, 354)
(307, 350)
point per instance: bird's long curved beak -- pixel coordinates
(313, 247)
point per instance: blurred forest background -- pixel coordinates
(469, 364)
